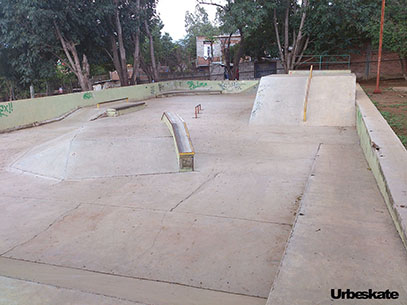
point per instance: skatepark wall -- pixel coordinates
(387, 158)
(31, 112)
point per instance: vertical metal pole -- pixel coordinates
(379, 59)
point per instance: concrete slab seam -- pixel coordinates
(298, 212)
(194, 191)
(119, 276)
(72, 289)
(59, 218)
(189, 213)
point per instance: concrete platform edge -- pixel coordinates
(386, 157)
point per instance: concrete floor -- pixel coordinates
(96, 212)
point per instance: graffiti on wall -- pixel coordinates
(193, 85)
(87, 96)
(230, 85)
(5, 110)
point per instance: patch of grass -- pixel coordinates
(395, 120)
(398, 123)
(403, 140)
(374, 102)
(397, 105)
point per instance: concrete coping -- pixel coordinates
(387, 158)
(320, 72)
(112, 101)
(123, 109)
(182, 140)
(193, 92)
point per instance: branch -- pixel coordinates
(299, 36)
(64, 46)
(278, 37)
(108, 53)
(303, 50)
(212, 3)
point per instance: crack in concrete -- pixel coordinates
(72, 289)
(125, 176)
(195, 191)
(59, 218)
(125, 276)
(155, 237)
(190, 213)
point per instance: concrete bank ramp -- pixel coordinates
(280, 100)
(100, 149)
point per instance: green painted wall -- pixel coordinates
(24, 112)
(373, 159)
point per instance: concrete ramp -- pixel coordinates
(280, 100)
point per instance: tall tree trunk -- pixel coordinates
(122, 51)
(136, 59)
(147, 70)
(116, 60)
(277, 32)
(82, 72)
(227, 57)
(291, 56)
(151, 41)
(136, 55)
(238, 56)
(286, 37)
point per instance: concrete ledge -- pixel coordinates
(112, 101)
(182, 140)
(319, 72)
(184, 92)
(133, 107)
(387, 158)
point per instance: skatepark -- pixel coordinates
(298, 186)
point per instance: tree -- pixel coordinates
(197, 23)
(242, 16)
(395, 30)
(127, 24)
(289, 18)
(24, 62)
(339, 26)
(65, 29)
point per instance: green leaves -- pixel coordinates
(395, 27)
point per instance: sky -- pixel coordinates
(172, 13)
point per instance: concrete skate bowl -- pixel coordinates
(94, 152)
(33, 112)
